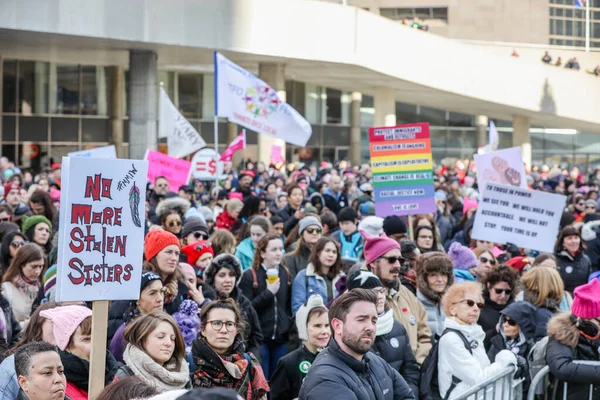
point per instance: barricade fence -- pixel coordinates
(554, 393)
(502, 386)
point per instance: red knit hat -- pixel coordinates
(10, 186)
(156, 241)
(586, 302)
(195, 250)
(519, 263)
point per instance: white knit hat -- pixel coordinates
(372, 225)
(313, 301)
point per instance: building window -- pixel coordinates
(9, 86)
(190, 95)
(94, 90)
(67, 89)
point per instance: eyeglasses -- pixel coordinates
(500, 291)
(487, 260)
(199, 235)
(16, 244)
(393, 260)
(509, 321)
(425, 237)
(471, 303)
(314, 230)
(379, 290)
(174, 223)
(230, 326)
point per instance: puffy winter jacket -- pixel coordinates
(307, 283)
(274, 311)
(336, 375)
(435, 315)
(574, 271)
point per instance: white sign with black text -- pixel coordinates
(526, 218)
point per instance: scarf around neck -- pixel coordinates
(163, 378)
(27, 286)
(385, 322)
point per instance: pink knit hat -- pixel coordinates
(469, 203)
(586, 302)
(375, 247)
(65, 321)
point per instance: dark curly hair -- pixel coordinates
(502, 274)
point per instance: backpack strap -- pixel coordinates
(254, 280)
(287, 271)
(467, 344)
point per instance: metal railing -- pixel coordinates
(543, 377)
(501, 386)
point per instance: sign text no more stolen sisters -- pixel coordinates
(402, 170)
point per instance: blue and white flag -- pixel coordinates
(248, 101)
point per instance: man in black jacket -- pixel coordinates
(346, 370)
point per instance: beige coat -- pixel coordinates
(409, 311)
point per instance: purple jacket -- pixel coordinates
(118, 344)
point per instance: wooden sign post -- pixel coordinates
(98, 354)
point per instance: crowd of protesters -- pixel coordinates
(274, 285)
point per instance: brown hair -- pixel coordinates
(543, 257)
(336, 268)
(131, 387)
(226, 303)
(43, 198)
(171, 279)
(33, 332)
(294, 234)
(86, 330)
(541, 284)
(26, 254)
(262, 247)
(341, 306)
(478, 251)
(138, 331)
(457, 292)
(566, 232)
(223, 242)
(163, 218)
(316, 312)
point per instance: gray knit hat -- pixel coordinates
(308, 221)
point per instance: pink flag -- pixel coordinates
(238, 143)
(276, 157)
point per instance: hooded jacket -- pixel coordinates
(335, 202)
(336, 375)
(560, 357)
(489, 317)
(245, 253)
(574, 271)
(523, 313)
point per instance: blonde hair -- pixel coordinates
(457, 292)
(233, 204)
(545, 283)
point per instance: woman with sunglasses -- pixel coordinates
(575, 336)
(193, 230)
(171, 212)
(486, 262)
(573, 264)
(310, 231)
(220, 358)
(544, 288)
(11, 243)
(321, 276)
(499, 290)
(461, 351)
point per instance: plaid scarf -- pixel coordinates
(229, 371)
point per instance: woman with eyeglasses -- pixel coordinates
(575, 336)
(22, 281)
(425, 238)
(323, 275)
(156, 353)
(11, 243)
(462, 355)
(573, 264)
(220, 358)
(310, 231)
(258, 227)
(499, 290)
(544, 288)
(223, 275)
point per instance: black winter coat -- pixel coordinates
(335, 205)
(336, 375)
(574, 271)
(274, 311)
(290, 221)
(560, 359)
(254, 336)
(13, 328)
(489, 318)
(296, 263)
(290, 373)
(394, 347)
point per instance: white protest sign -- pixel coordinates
(102, 229)
(502, 166)
(527, 218)
(98, 152)
(206, 165)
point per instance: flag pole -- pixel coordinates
(216, 119)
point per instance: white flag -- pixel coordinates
(248, 101)
(494, 140)
(182, 137)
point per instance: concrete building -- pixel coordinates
(85, 74)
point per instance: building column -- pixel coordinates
(522, 138)
(355, 142)
(143, 102)
(117, 80)
(481, 124)
(385, 106)
(274, 75)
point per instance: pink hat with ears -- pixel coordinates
(469, 203)
(375, 247)
(65, 321)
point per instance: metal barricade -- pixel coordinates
(501, 386)
(543, 376)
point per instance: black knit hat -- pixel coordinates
(147, 278)
(193, 225)
(363, 279)
(393, 224)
